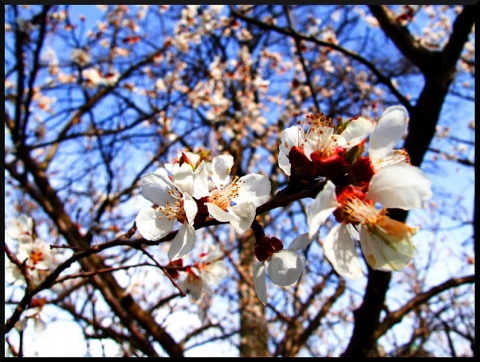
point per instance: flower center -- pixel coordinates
(173, 210)
(222, 197)
(355, 209)
(321, 135)
(36, 256)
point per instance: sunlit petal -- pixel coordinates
(183, 178)
(244, 214)
(301, 241)
(190, 207)
(254, 188)
(260, 282)
(285, 267)
(183, 242)
(153, 225)
(387, 246)
(200, 187)
(356, 131)
(339, 249)
(155, 187)
(388, 132)
(321, 208)
(218, 213)
(400, 186)
(284, 162)
(221, 167)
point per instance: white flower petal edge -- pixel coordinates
(244, 215)
(400, 186)
(290, 137)
(190, 207)
(388, 247)
(183, 178)
(340, 251)
(321, 208)
(260, 281)
(218, 213)
(254, 188)
(285, 267)
(221, 167)
(239, 216)
(284, 163)
(301, 241)
(183, 242)
(200, 186)
(389, 130)
(20, 228)
(151, 226)
(155, 187)
(356, 131)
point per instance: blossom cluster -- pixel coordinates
(34, 261)
(36, 257)
(192, 190)
(358, 188)
(203, 275)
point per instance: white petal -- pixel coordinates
(339, 249)
(200, 187)
(285, 267)
(389, 131)
(183, 178)
(218, 213)
(31, 312)
(155, 187)
(356, 131)
(190, 207)
(244, 215)
(301, 241)
(292, 136)
(284, 162)
(39, 325)
(213, 275)
(183, 242)
(260, 282)
(353, 232)
(388, 251)
(20, 228)
(151, 226)
(192, 286)
(193, 157)
(221, 168)
(400, 186)
(254, 188)
(239, 216)
(321, 208)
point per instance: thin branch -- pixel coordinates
(395, 317)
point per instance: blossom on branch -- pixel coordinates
(173, 201)
(321, 150)
(284, 266)
(205, 274)
(33, 314)
(20, 228)
(235, 200)
(37, 258)
(385, 243)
